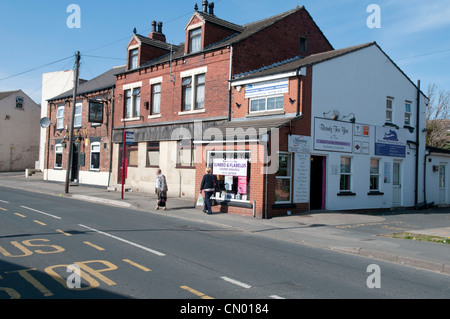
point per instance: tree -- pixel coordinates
(438, 122)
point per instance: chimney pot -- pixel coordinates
(160, 24)
(205, 6)
(211, 8)
(153, 26)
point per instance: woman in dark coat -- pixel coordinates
(208, 185)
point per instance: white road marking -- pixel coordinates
(238, 283)
(4, 201)
(38, 211)
(125, 241)
(276, 297)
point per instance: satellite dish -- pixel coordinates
(45, 122)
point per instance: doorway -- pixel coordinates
(75, 162)
(317, 182)
(442, 185)
(397, 184)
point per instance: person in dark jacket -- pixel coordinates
(208, 185)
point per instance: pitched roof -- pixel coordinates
(103, 81)
(7, 93)
(242, 32)
(295, 63)
(156, 43)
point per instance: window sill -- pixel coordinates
(179, 166)
(192, 112)
(131, 119)
(346, 193)
(410, 128)
(156, 116)
(265, 113)
(391, 124)
(371, 193)
(233, 202)
(286, 205)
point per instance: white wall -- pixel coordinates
(359, 83)
(53, 84)
(19, 129)
(440, 196)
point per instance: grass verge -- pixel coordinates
(419, 237)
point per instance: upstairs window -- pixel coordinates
(133, 59)
(266, 104)
(389, 109)
(407, 113)
(132, 103)
(77, 118)
(156, 99)
(60, 118)
(19, 102)
(195, 40)
(303, 44)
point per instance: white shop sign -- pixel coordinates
(230, 167)
(267, 88)
(333, 136)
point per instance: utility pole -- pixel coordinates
(74, 101)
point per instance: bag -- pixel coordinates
(162, 202)
(200, 200)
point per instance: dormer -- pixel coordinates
(204, 29)
(142, 49)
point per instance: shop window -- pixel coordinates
(345, 174)
(60, 118)
(153, 154)
(58, 155)
(95, 156)
(374, 174)
(132, 151)
(266, 104)
(283, 179)
(186, 154)
(231, 187)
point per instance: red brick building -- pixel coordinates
(169, 95)
(92, 132)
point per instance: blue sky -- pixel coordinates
(415, 34)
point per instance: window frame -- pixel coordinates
(408, 113)
(152, 146)
(374, 175)
(133, 61)
(78, 117)
(288, 176)
(60, 126)
(58, 151)
(192, 157)
(195, 35)
(154, 99)
(389, 109)
(94, 152)
(346, 174)
(130, 101)
(266, 103)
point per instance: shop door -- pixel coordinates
(397, 185)
(317, 182)
(442, 185)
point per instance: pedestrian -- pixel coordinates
(161, 190)
(208, 185)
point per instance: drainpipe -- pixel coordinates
(229, 83)
(299, 86)
(111, 138)
(416, 199)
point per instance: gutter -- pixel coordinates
(299, 87)
(229, 83)
(416, 185)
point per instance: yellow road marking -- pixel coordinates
(62, 232)
(4, 209)
(20, 215)
(40, 223)
(195, 292)
(136, 265)
(92, 245)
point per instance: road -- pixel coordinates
(126, 253)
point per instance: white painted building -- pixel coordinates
(437, 166)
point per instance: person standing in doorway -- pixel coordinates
(208, 186)
(161, 190)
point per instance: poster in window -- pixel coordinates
(242, 185)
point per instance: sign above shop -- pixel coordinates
(390, 142)
(230, 167)
(267, 88)
(335, 136)
(299, 144)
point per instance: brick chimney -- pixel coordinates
(157, 34)
(205, 6)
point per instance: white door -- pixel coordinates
(442, 185)
(397, 185)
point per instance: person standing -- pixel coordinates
(208, 186)
(161, 190)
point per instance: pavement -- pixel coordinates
(345, 232)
